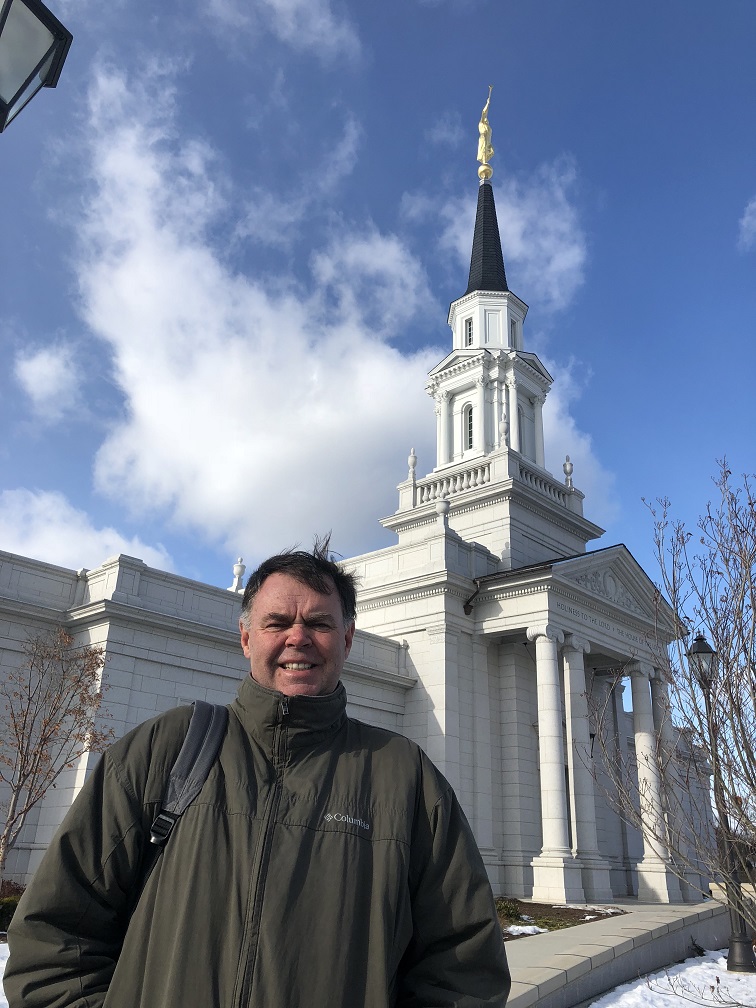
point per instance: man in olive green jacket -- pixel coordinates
(325, 864)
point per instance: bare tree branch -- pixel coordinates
(48, 711)
(705, 733)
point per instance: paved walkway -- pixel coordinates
(564, 968)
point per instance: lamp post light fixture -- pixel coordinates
(33, 48)
(740, 955)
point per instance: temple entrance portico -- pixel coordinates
(571, 631)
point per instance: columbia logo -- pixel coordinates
(340, 817)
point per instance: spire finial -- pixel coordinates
(485, 149)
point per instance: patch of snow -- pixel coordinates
(3, 961)
(596, 909)
(703, 980)
(524, 929)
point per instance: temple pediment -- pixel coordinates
(459, 359)
(614, 576)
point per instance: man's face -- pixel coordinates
(297, 641)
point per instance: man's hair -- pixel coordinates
(316, 570)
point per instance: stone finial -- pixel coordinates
(504, 428)
(412, 463)
(239, 570)
(442, 510)
(567, 469)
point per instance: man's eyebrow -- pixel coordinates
(316, 617)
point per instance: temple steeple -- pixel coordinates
(486, 261)
(490, 476)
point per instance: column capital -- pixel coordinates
(547, 630)
(573, 642)
(640, 670)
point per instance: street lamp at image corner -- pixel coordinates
(740, 957)
(33, 48)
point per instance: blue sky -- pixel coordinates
(231, 235)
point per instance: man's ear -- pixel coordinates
(244, 633)
(349, 635)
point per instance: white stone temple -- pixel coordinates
(482, 632)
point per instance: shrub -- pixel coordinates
(8, 906)
(508, 910)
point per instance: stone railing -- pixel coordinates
(433, 487)
(498, 468)
(544, 484)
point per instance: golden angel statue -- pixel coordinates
(485, 150)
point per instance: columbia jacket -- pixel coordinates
(325, 864)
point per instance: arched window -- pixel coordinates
(467, 427)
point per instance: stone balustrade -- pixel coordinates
(434, 487)
(541, 482)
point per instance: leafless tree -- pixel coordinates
(50, 715)
(706, 711)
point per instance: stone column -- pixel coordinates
(538, 415)
(498, 441)
(480, 421)
(656, 882)
(443, 450)
(689, 880)
(514, 420)
(441, 682)
(556, 873)
(483, 764)
(608, 692)
(597, 883)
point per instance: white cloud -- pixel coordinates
(544, 245)
(255, 417)
(562, 437)
(747, 232)
(50, 377)
(446, 130)
(45, 526)
(302, 24)
(373, 280)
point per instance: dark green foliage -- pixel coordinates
(8, 906)
(508, 910)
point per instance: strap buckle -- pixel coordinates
(162, 826)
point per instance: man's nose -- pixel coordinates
(298, 636)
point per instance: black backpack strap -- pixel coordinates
(207, 729)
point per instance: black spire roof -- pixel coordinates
(486, 262)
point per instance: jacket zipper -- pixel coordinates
(279, 759)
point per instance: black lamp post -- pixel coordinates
(740, 957)
(33, 48)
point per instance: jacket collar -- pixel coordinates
(261, 710)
